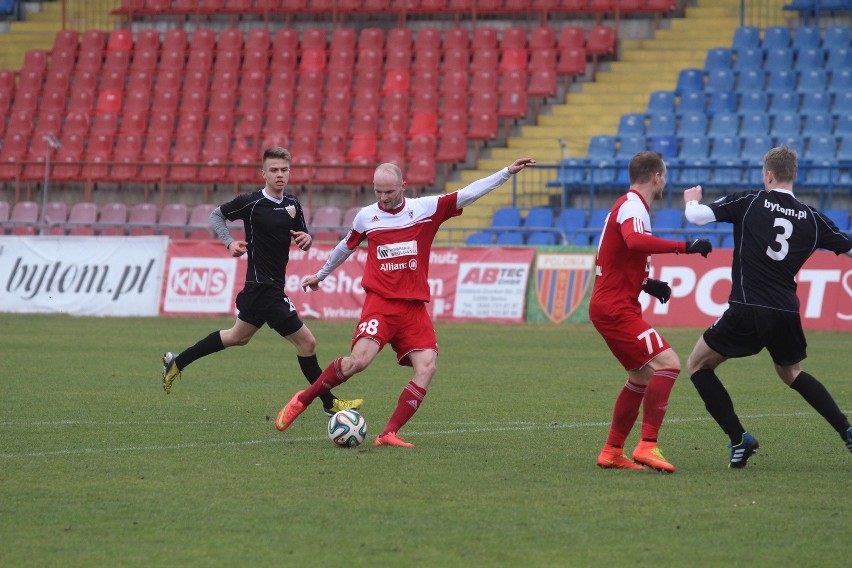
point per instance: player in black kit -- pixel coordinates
(774, 234)
(273, 220)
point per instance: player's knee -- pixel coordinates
(354, 365)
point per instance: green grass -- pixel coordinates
(99, 468)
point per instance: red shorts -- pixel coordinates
(632, 340)
(405, 324)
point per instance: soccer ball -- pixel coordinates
(347, 428)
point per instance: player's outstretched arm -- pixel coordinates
(693, 210)
(477, 189)
(520, 164)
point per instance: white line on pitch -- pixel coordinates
(506, 427)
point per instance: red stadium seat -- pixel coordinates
(485, 38)
(55, 215)
(421, 171)
(423, 122)
(174, 214)
(571, 36)
(393, 148)
(456, 38)
(572, 61)
(26, 214)
(314, 38)
(82, 219)
(113, 219)
(427, 38)
(452, 148)
(371, 38)
(199, 222)
(142, 218)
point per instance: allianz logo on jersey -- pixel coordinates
(395, 250)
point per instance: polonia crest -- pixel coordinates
(561, 282)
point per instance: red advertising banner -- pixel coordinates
(468, 284)
(700, 289)
(490, 284)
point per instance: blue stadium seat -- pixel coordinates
(754, 124)
(753, 101)
(719, 58)
(836, 36)
(720, 80)
(629, 146)
(505, 217)
(844, 123)
(695, 148)
(796, 143)
(689, 79)
(724, 124)
(665, 219)
(810, 58)
(786, 124)
(692, 102)
(600, 159)
(661, 124)
(596, 222)
(540, 238)
(821, 148)
(838, 58)
(665, 145)
(631, 124)
(841, 81)
(819, 161)
(841, 104)
(601, 146)
(839, 217)
(806, 37)
(812, 80)
(509, 238)
(569, 221)
(722, 102)
(745, 37)
(572, 173)
(784, 101)
(781, 79)
(775, 37)
(479, 238)
(692, 124)
(725, 157)
(727, 241)
(748, 58)
(778, 58)
(815, 102)
(751, 80)
(538, 218)
(754, 149)
(661, 101)
(844, 149)
(818, 125)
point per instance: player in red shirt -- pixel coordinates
(399, 234)
(621, 272)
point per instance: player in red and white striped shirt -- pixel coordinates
(621, 272)
(399, 234)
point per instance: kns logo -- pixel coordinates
(199, 281)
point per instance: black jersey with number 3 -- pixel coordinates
(267, 225)
(774, 234)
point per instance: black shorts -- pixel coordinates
(259, 304)
(745, 330)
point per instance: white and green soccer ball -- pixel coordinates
(347, 428)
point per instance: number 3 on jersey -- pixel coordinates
(782, 237)
(370, 327)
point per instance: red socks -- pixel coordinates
(624, 413)
(657, 401)
(408, 403)
(330, 378)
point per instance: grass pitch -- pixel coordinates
(98, 467)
